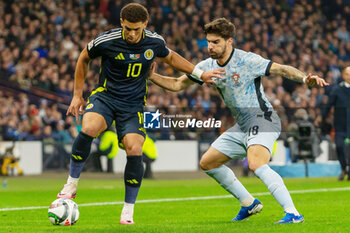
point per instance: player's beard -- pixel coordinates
(218, 55)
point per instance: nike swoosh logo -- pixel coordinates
(251, 211)
(297, 221)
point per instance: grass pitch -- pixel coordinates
(324, 211)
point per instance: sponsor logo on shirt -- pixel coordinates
(134, 56)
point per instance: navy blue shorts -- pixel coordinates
(128, 119)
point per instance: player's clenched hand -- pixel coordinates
(76, 107)
(313, 80)
(208, 75)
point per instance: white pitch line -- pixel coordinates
(184, 198)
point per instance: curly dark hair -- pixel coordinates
(221, 27)
(134, 12)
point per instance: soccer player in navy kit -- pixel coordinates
(126, 56)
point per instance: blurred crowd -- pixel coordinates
(40, 42)
(21, 120)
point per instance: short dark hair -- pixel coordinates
(221, 27)
(134, 12)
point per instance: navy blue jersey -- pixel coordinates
(125, 67)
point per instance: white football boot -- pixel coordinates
(126, 218)
(69, 191)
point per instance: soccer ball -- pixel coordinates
(63, 212)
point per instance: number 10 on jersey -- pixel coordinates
(134, 70)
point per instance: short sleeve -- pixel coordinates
(94, 49)
(163, 51)
(200, 82)
(203, 65)
(258, 65)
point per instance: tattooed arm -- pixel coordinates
(296, 75)
(287, 72)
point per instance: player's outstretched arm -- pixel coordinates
(169, 83)
(77, 104)
(296, 75)
(181, 64)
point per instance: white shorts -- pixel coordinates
(234, 142)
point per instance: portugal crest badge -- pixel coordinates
(235, 77)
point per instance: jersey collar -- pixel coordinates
(228, 59)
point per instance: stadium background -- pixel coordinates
(40, 42)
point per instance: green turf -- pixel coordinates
(323, 211)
